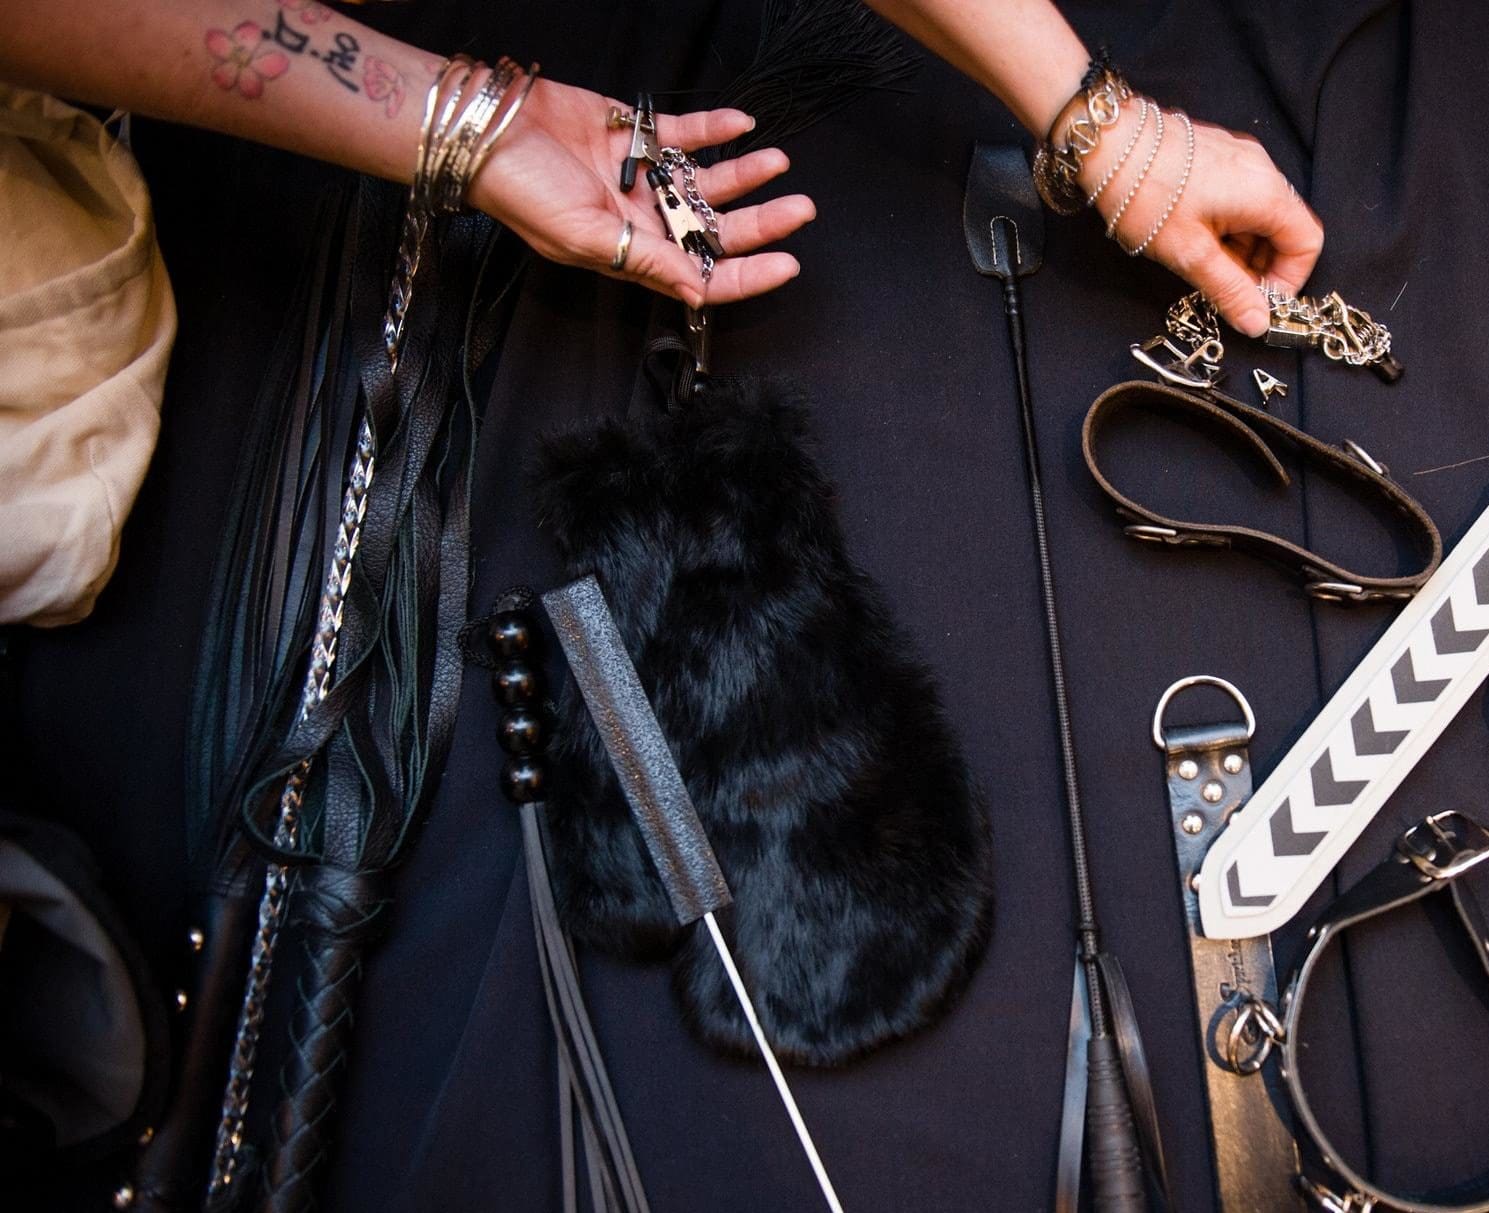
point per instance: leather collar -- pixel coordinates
(1322, 578)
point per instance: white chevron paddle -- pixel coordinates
(1281, 845)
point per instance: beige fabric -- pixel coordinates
(86, 325)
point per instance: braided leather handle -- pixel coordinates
(1116, 1162)
(336, 911)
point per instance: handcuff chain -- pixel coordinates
(1344, 333)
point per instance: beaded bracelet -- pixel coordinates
(1178, 193)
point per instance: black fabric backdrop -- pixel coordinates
(451, 1101)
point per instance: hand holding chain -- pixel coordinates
(1344, 333)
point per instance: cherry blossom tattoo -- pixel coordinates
(252, 53)
(381, 81)
(245, 59)
(312, 12)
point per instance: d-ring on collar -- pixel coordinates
(1322, 578)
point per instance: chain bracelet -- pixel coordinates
(1144, 105)
(1142, 175)
(1178, 193)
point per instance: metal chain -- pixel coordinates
(674, 158)
(1344, 333)
(229, 1140)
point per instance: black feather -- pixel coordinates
(814, 746)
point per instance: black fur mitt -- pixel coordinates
(814, 747)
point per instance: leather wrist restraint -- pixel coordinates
(1322, 578)
(1429, 858)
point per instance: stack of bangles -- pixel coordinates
(1075, 136)
(468, 108)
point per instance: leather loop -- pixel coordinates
(1394, 883)
(1251, 427)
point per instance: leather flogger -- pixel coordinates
(1279, 848)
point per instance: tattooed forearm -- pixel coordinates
(244, 59)
(250, 54)
(384, 82)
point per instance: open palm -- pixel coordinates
(554, 179)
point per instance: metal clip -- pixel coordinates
(1375, 465)
(684, 225)
(643, 123)
(1445, 845)
(697, 320)
(1336, 591)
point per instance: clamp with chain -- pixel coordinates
(1344, 333)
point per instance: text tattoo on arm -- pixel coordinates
(250, 54)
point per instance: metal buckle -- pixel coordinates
(1360, 453)
(1445, 845)
(1336, 591)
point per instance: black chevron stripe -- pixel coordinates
(1481, 580)
(1233, 883)
(1368, 739)
(1407, 688)
(1288, 841)
(1330, 791)
(1447, 637)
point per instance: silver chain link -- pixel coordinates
(674, 158)
(229, 1140)
(1344, 333)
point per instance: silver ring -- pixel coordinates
(622, 247)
